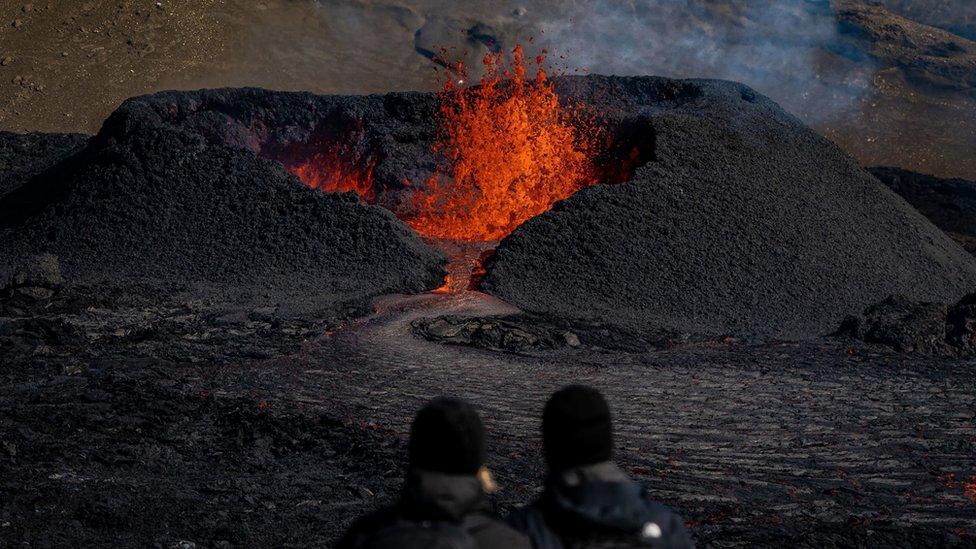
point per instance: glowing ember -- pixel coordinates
(969, 488)
(447, 287)
(509, 152)
(332, 170)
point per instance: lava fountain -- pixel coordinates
(507, 152)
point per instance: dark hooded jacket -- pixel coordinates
(598, 506)
(435, 511)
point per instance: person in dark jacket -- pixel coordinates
(588, 501)
(443, 502)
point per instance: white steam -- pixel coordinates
(790, 50)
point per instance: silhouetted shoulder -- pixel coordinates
(489, 532)
(386, 529)
(600, 514)
(365, 525)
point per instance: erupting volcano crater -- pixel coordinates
(503, 152)
(687, 205)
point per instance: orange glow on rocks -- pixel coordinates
(331, 170)
(447, 287)
(969, 488)
(508, 151)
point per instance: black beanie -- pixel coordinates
(576, 428)
(447, 436)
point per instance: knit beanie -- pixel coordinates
(447, 436)
(576, 428)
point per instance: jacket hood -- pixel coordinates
(437, 496)
(599, 495)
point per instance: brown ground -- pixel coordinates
(70, 63)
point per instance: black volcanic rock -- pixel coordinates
(917, 327)
(900, 323)
(961, 325)
(745, 222)
(157, 194)
(391, 133)
(23, 155)
(948, 203)
(32, 285)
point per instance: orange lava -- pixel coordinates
(969, 488)
(332, 170)
(447, 287)
(508, 152)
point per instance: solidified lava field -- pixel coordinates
(212, 353)
(145, 439)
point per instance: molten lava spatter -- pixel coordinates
(508, 151)
(332, 170)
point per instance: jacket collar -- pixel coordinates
(428, 495)
(600, 495)
(606, 471)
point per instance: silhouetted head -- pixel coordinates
(576, 428)
(447, 436)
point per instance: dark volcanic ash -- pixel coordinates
(25, 155)
(949, 203)
(151, 197)
(745, 222)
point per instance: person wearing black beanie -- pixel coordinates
(443, 503)
(587, 499)
(447, 436)
(576, 429)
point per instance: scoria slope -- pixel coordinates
(746, 222)
(150, 199)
